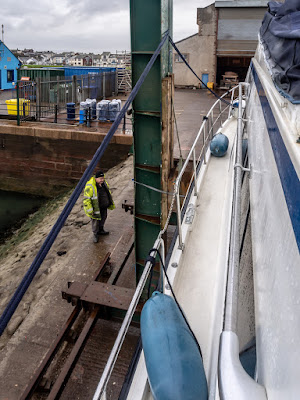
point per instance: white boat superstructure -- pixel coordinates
(274, 156)
(197, 271)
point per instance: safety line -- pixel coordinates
(30, 274)
(152, 260)
(188, 65)
(155, 189)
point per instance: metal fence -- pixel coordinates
(46, 100)
(76, 88)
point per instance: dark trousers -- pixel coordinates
(98, 226)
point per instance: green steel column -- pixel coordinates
(149, 20)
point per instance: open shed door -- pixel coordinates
(237, 39)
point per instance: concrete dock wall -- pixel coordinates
(46, 161)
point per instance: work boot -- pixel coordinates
(103, 232)
(95, 238)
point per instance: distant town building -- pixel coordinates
(58, 59)
(9, 65)
(97, 60)
(80, 60)
(120, 59)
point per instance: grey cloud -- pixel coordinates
(95, 7)
(78, 25)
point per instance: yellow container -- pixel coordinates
(12, 106)
(210, 85)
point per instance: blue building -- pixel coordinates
(9, 65)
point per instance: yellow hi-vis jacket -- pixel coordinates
(90, 199)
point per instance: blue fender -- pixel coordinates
(219, 145)
(174, 364)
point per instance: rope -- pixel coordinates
(152, 260)
(191, 69)
(30, 274)
(155, 189)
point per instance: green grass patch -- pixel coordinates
(41, 66)
(28, 226)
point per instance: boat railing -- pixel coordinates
(211, 123)
(234, 382)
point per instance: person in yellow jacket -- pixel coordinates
(96, 200)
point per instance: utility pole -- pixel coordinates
(2, 33)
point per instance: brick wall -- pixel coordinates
(48, 161)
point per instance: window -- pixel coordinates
(177, 58)
(8, 58)
(10, 75)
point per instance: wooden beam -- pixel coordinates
(167, 142)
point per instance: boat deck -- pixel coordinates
(199, 281)
(200, 284)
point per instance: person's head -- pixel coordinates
(99, 177)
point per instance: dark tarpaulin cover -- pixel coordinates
(280, 34)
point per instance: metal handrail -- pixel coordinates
(191, 155)
(234, 382)
(100, 392)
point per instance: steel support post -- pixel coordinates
(149, 21)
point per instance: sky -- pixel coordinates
(82, 25)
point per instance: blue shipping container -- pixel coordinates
(70, 71)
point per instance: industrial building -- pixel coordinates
(226, 40)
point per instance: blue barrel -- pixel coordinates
(70, 111)
(174, 364)
(219, 145)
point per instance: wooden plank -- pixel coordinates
(167, 142)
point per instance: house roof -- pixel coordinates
(4, 45)
(182, 40)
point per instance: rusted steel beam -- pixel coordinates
(37, 377)
(103, 263)
(76, 289)
(69, 365)
(117, 271)
(103, 294)
(76, 293)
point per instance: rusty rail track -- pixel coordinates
(94, 301)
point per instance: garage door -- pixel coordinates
(238, 31)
